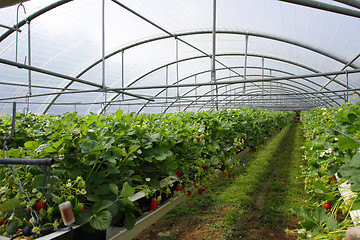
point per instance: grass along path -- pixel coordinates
(255, 204)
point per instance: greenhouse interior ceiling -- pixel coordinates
(161, 56)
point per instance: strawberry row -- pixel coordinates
(331, 151)
(101, 161)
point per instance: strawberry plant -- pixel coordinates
(100, 161)
(331, 148)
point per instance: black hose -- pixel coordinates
(26, 161)
(16, 236)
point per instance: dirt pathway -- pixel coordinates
(209, 218)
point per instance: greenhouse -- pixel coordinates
(123, 109)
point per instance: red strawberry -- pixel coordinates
(198, 139)
(40, 205)
(203, 167)
(200, 191)
(188, 193)
(238, 147)
(178, 188)
(153, 205)
(250, 150)
(327, 206)
(229, 176)
(81, 209)
(178, 174)
(2, 222)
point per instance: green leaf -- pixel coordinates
(56, 199)
(320, 215)
(331, 223)
(10, 204)
(111, 159)
(12, 227)
(355, 160)
(103, 204)
(329, 196)
(352, 117)
(345, 143)
(102, 189)
(101, 220)
(83, 217)
(38, 181)
(114, 188)
(127, 190)
(50, 149)
(28, 144)
(106, 142)
(129, 221)
(303, 213)
(310, 225)
(319, 187)
(118, 114)
(214, 160)
(133, 148)
(308, 144)
(88, 145)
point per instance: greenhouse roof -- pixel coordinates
(156, 55)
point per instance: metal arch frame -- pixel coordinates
(306, 86)
(56, 4)
(230, 54)
(255, 34)
(292, 88)
(242, 95)
(287, 89)
(33, 16)
(298, 83)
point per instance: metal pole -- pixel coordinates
(346, 65)
(10, 28)
(55, 74)
(262, 74)
(196, 90)
(269, 79)
(352, 3)
(246, 51)
(167, 82)
(326, 7)
(103, 52)
(17, 27)
(12, 124)
(347, 86)
(213, 73)
(122, 73)
(29, 62)
(177, 71)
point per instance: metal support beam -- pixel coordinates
(32, 16)
(352, 3)
(213, 56)
(29, 63)
(245, 64)
(325, 6)
(103, 53)
(63, 76)
(11, 28)
(346, 65)
(311, 75)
